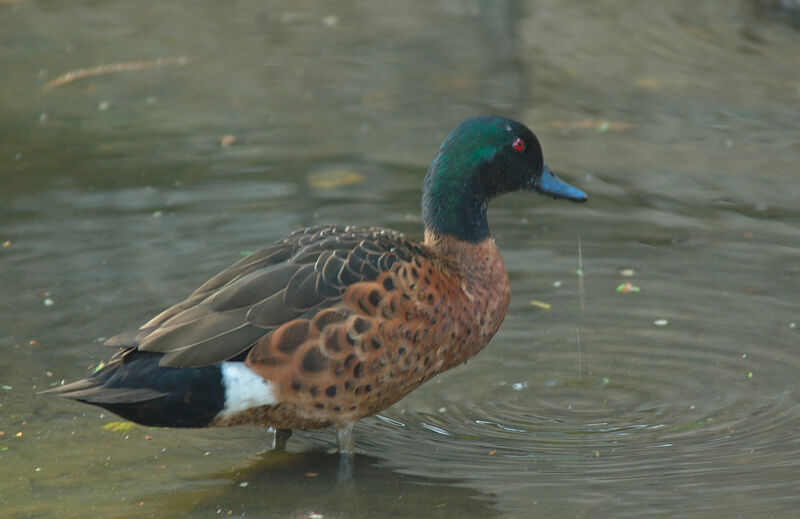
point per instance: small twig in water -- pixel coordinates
(113, 68)
(580, 370)
(581, 296)
(580, 274)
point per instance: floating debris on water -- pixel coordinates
(123, 427)
(590, 124)
(113, 68)
(332, 178)
(627, 288)
(540, 304)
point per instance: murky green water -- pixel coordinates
(680, 119)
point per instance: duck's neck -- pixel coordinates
(453, 206)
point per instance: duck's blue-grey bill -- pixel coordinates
(548, 184)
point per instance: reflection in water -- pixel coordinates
(678, 118)
(272, 482)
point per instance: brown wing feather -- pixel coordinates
(297, 278)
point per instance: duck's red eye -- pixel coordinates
(518, 145)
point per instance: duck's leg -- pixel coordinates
(346, 441)
(280, 438)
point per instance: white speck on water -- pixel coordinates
(519, 386)
(557, 283)
(660, 322)
(437, 430)
(390, 420)
(48, 302)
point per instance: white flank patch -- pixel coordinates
(243, 389)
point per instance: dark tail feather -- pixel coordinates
(136, 388)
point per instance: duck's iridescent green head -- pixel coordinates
(482, 158)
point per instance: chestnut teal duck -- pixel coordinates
(335, 323)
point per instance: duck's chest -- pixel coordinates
(454, 307)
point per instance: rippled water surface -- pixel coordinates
(125, 189)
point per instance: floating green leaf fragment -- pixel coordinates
(7, 388)
(541, 304)
(627, 288)
(750, 375)
(123, 427)
(579, 272)
(606, 381)
(100, 366)
(244, 253)
(603, 126)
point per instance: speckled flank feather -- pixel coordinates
(385, 337)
